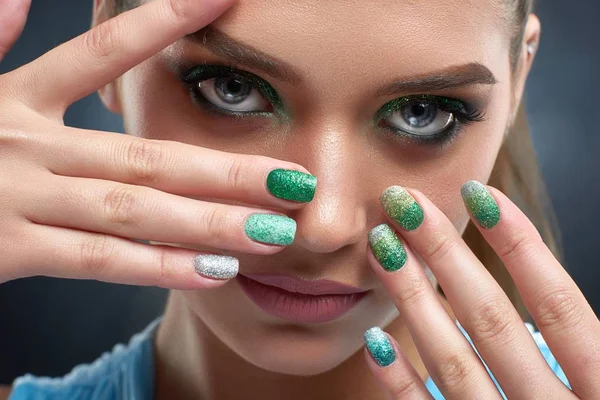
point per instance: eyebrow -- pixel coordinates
(224, 46)
(449, 78)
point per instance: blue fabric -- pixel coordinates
(128, 373)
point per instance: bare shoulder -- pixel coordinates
(4, 392)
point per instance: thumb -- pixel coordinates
(13, 14)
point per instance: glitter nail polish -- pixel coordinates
(379, 346)
(292, 185)
(387, 248)
(480, 204)
(402, 207)
(216, 266)
(271, 229)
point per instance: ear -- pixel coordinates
(109, 94)
(528, 50)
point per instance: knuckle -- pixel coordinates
(101, 41)
(559, 309)
(180, 9)
(119, 205)
(518, 245)
(439, 248)
(235, 173)
(414, 291)
(454, 371)
(164, 269)
(405, 388)
(492, 321)
(95, 254)
(213, 221)
(145, 160)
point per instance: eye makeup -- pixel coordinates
(457, 113)
(462, 114)
(203, 72)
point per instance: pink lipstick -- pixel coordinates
(300, 300)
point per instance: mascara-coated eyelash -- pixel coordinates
(213, 84)
(427, 118)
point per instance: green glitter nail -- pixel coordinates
(292, 185)
(271, 229)
(402, 207)
(387, 248)
(379, 346)
(480, 204)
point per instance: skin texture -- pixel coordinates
(217, 343)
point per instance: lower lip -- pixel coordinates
(298, 307)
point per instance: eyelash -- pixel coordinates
(464, 113)
(192, 77)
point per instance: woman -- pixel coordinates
(399, 109)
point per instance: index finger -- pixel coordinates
(92, 60)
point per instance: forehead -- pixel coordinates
(393, 36)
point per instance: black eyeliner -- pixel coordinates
(202, 72)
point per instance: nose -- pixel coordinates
(337, 215)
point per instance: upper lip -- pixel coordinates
(311, 287)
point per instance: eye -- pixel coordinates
(420, 117)
(233, 93)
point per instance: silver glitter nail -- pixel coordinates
(216, 266)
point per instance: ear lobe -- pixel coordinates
(529, 45)
(109, 94)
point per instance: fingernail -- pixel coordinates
(379, 346)
(480, 204)
(292, 185)
(402, 207)
(216, 266)
(271, 229)
(387, 248)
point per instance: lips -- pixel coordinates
(300, 300)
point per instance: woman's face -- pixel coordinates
(333, 73)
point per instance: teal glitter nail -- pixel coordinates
(292, 185)
(379, 346)
(402, 208)
(271, 229)
(480, 204)
(387, 248)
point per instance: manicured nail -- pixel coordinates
(292, 185)
(216, 266)
(402, 207)
(271, 229)
(480, 204)
(387, 248)
(379, 346)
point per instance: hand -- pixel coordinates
(562, 314)
(72, 200)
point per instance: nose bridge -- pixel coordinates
(337, 215)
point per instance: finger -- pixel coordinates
(13, 14)
(479, 303)
(67, 253)
(178, 168)
(561, 312)
(144, 213)
(97, 57)
(392, 371)
(453, 364)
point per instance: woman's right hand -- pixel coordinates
(73, 201)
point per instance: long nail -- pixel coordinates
(292, 185)
(216, 266)
(379, 346)
(402, 207)
(480, 204)
(271, 229)
(387, 248)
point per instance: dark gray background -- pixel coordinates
(49, 325)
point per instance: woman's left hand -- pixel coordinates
(561, 312)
